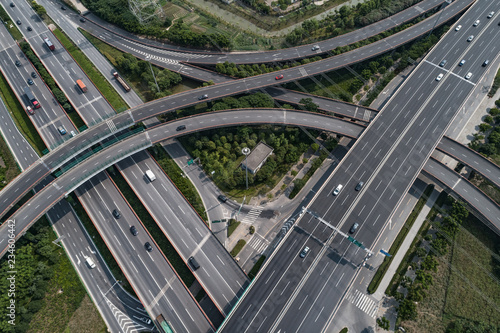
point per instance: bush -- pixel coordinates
(251, 230)
(255, 269)
(237, 248)
(233, 224)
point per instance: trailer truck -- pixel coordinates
(31, 97)
(121, 81)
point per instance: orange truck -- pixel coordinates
(81, 85)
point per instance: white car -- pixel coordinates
(458, 27)
(490, 15)
(439, 77)
(337, 190)
(468, 76)
(476, 23)
(471, 37)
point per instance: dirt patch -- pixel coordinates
(86, 319)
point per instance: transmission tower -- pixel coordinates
(145, 10)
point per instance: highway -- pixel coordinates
(387, 157)
(170, 54)
(154, 280)
(336, 107)
(100, 161)
(167, 104)
(50, 115)
(458, 184)
(67, 24)
(476, 161)
(219, 274)
(91, 106)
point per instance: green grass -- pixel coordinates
(396, 244)
(184, 185)
(474, 274)
(11, 169)
(149, 223)
(10, 24)
(99, 80)
(20, 116)
(238, 247)
(255, 269)
(99, 242)
(233, 224)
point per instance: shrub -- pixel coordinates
(237, 248)
(251, 230)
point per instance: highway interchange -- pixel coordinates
(149, 137)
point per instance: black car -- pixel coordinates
(30, 82)
(29, 29)
(18, 22)
(359, 186)
(222, 198)
(18, 63)
(12, 4)
(133, 230)
(33, 75)
(180, 128)
(63, 8)
(148, 247)
(82, 19)
(116, 213)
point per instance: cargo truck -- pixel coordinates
(81, 85)
(49, 44)
(121, 81)
(31, 97)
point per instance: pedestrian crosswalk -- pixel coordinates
(252, 215)
(111, 125)
(364, 303)
(259, 244)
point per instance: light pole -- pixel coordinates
(245, 152)
(148, 58)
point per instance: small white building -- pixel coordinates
(257, 157)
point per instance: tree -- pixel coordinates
(407, 310)
(309, 105)
(484, 127)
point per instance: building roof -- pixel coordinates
(258, 155)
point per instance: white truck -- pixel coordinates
(151, 176)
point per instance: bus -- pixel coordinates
(163, 325)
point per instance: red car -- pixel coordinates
(279, 77)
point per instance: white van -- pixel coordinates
(90, 262)
(151, 176)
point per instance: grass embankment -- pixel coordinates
(20, 117)
(10, 25)
(11, 169)
(99, 243)
(233, 224)
(255, 269)
(182, 183)
(97, 78)
(465, 288)
(238, 247)
(377, 278)
(150, 224)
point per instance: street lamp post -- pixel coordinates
(148, 58)
(245, 152)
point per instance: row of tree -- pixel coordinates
(118, 13)
(487, 141)
(346, 19)
(49, 80)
